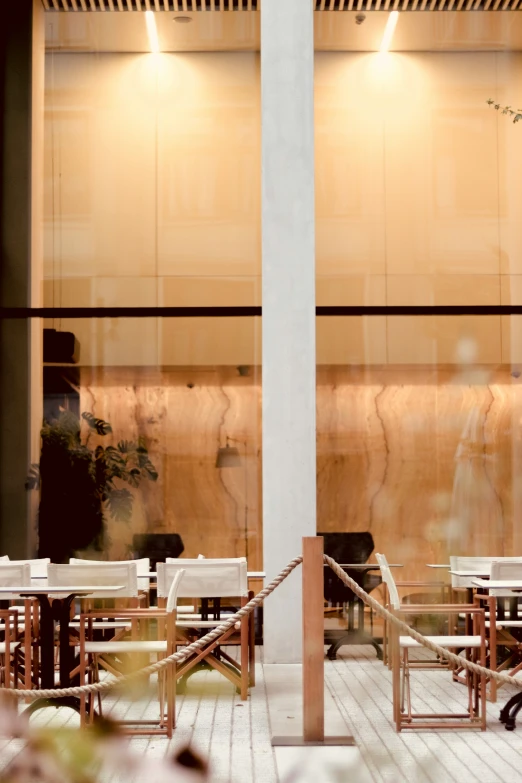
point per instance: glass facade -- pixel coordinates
(152, 199)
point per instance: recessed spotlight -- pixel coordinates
(183, 19)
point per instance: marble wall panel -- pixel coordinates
(428, 460)
(185, 415)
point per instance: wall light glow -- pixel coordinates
(152, 31)
(389, 30)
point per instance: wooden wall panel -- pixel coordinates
(183, 428)
(427, 459)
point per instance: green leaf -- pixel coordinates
(99, 425)
(119, 504)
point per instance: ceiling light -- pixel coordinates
(183, 19)
(389, 30)
(152, 31)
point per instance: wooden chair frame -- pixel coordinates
(475, 717)
(89, 667)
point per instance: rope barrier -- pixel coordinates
(504, 679)
(177, 657)
(193, 647)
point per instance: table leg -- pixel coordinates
(46, 642)
(62, 612)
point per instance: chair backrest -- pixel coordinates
(506, 569)
(345, 548)
(142, 564)
(348, 547)
(389, 581)
(480, 564)
(17, 575)
(38, 566)
(157, 546)
(205, 577)
(174, 590)
(96, 573)
(4, 557)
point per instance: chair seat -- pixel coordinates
(203, 623)
(113, 648)
(444, 641)
(101, 625)
(508, 623)
(12, 646)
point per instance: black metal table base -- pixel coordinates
(338, 638)
(54, 611)
(509, 712)
(40, 704)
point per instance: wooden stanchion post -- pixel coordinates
(313, 640)
(313, 651)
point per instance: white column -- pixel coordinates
(288, 249)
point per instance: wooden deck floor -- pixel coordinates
(235, 736)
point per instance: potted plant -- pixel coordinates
(81, 487)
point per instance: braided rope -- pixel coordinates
(504, 679)
(178, 657)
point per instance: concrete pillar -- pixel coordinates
(288, 250)
(21, 212)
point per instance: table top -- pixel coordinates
(59, 589)
(499, 584)
(439, 565)
(469, 574)
(366, 566)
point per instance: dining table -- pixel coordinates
(355, 632)
(55, 608)
(510, 710)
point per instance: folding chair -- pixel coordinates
(114, 655)
(404, 716)
(209, 581)
(16, 575)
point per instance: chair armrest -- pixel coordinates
(440, 609)
(421, 584)
(483, 597)
(123, 614)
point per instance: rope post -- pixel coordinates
(313, 640)
(313, 651)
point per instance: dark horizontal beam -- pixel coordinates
(250, 311)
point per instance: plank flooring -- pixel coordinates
(236, 736)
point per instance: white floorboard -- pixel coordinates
(236, 736)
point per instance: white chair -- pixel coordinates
(142, 564)
(404, 716)
(214, 579)
(110, 654)
(16, 575)
(38, 566)
(142, 567)
(502, 617)
(482, 565)
(98, 573)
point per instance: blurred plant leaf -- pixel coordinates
(99, 425)
(119, 504)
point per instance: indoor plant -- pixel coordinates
(82, 486)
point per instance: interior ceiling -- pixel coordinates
(190, 6)
(336, 31)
